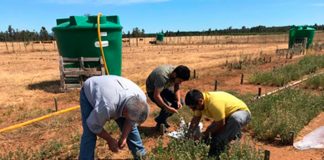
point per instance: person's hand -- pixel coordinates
(121, 143)
(113, 145)
(171, 109)
(179, 105)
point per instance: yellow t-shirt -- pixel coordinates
(220, 105)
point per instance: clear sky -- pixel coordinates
(156, 15)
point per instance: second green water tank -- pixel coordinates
(159, 37)
(298, 33)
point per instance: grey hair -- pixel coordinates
(137, 109)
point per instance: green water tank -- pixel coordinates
(298, 33)
(77, 36)
(159, 37)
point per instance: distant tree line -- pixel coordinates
(136, 32)
(25, 35)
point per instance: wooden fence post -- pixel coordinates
(55, 104)
(7, 46)
(12, 45)
(242, 77)
(215, 87)
(259, 91)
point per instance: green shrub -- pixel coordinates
(183, 149)
(242, 150)
(186, 149)
(50, 150)
(315, 82)
(291, 72)
(282, 113)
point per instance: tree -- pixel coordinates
(11, 33)
(43, 34)
(136, 32)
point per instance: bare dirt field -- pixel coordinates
(29, 82)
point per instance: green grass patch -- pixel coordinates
(183, 149)
(282, 113)
(111, 126)
(49, 150)
(291, 72)
(242, 150)
(186, 149)
(316, 82)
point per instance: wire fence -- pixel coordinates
(44, 46)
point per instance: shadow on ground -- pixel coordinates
(149, 131)
(47, 86)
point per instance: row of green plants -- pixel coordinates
(283, 75)
(279, 117)
(248, 62)
(316, 82)
(187, 149)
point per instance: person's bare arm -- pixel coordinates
(178, 95)
(126, 129)
(112, 143)
(159, 100)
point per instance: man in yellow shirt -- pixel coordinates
(229, 115)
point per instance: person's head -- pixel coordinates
(195, 99)
(136, 109)
(181, 73)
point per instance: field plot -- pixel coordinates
(29, 82)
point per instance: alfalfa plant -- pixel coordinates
(316, 82)
(50, 150)
(291, 72)
(276, 116)
(242, 150)
(187, 149)
(180, 149)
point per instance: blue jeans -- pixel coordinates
(168, 97)
(232, 130)
(88, 139)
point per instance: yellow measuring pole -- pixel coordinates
(38, 119)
